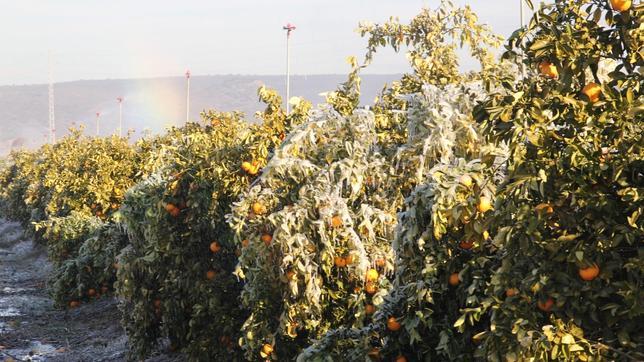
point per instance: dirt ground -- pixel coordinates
(31, 329)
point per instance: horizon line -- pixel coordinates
(193, 76)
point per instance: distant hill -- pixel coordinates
(149, 103)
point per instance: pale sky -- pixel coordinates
(100, 39)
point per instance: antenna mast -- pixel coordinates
(52, 113)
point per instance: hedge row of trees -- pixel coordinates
(494, 214)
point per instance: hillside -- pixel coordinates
(149, 103)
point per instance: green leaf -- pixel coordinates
(459, 322)
(567, 339)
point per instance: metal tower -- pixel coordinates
(98, 117)
(52, 113)
(187, 95)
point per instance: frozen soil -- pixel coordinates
(31, 329)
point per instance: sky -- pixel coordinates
(114, 39)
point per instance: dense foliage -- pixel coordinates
(486, 215)
(92, 272)
(560, 275)
(65, 194)
(176, 276)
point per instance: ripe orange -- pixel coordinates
(267, 238)
(370, 288)
(266, 351)
(246, 166)
(467, 245)
(546, 305)
(484, 204)
(372, 275)
(253, 170)
(392, 324)
(349, 259)
(336, 221)
(511, 292)
(544, 208)
(454, 279)
(592, 91)
(589, 273)
(548, 69)
(369, 309)
(258, 208)
(211, 274)
(172, 210)
(340, 262)
(374, 353)
(169, 207)
(380, 262)
(465, 180)
(401, 358)
(215, 247)
(620, 5)
(245, 243)
(91, 292)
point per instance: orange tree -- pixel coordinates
(84, 247)
(442, 234)
(65, 192)
(569, 221)
(317, 226)
(310, 230)
(78, 174)
(176, 277)
(92, 272)
(15, 178)
(87, 174)
(560, 277)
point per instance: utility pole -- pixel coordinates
(289, 28)
(98, 116)
(187, 95)
(120, 101)
(521, 23)
(52, 113)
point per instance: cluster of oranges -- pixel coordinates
(251, 168)
(91, 293)
(592, 90)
